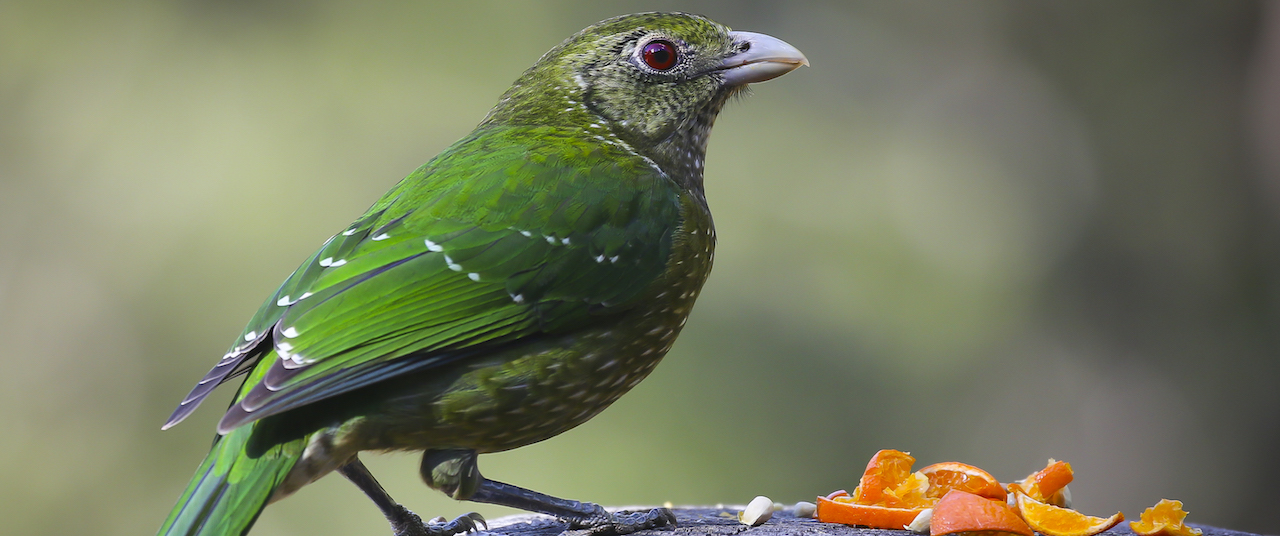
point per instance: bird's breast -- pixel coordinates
(546, 387)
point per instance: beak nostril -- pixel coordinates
(758, 57)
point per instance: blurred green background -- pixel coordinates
(993, 232)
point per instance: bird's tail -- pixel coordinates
(232, 486)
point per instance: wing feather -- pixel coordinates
(500, 239)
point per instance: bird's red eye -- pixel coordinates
(661, 55)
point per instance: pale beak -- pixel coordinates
(762, 57)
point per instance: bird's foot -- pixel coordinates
(406, 523)
(603, 523)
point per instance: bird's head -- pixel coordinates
(652, 81)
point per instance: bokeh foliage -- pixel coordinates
(993, 232)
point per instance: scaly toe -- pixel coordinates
(621, 523)
(407, 523)
(460, 525)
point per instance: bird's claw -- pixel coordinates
(619, 523)
(461, 524)
(407, 523)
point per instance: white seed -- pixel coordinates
(759, 510)
(920, 525)
(804, 509)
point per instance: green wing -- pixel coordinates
(511, 233)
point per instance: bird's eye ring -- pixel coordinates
(659, 54)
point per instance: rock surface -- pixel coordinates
(723, 521)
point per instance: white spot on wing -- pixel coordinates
(452, 265)
(432, 246)
(290, 332)
(337, 263)
(284, 301)
(326, 261)
(382, 236)
(250, 335)
(474, 276)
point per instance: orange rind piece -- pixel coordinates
(1163, 519)
(1052, 520)
(964, 512)
(946, 476)
(1047, 485)
(885, 472)
(843, 510)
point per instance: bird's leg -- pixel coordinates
(580, 515)
(455, 473)
(404, 522)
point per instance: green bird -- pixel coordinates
(506, 291)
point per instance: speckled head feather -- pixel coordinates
(599, 76)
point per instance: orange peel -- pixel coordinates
(961, 511)
(1163, 519)
(1053, 520)
(885, 471)
(946, 476)
(1048, 485)
(843, 510)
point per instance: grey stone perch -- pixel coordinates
(702, 521)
